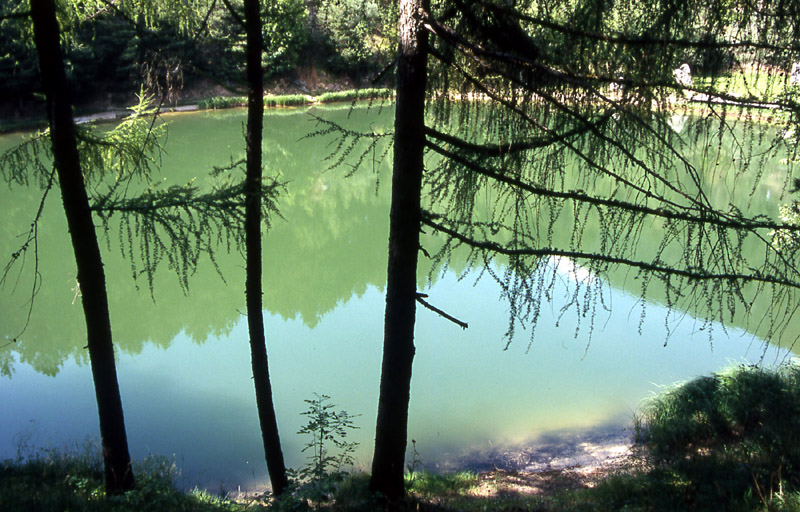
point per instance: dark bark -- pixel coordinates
(91, 277)
(253, 205)
(404, 228)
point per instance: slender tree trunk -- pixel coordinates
(404, 227)
(91, 278)
(255, 319)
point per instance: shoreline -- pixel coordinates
(218, 102)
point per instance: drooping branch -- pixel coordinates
(506, 148)
(657, 268)
(347, 142)
(32, 238)
(180, 224)
(710, 217)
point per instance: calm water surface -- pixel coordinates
(183, 361)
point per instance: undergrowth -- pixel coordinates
(56, 480)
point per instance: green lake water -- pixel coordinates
(183, 360)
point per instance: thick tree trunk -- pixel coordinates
(91, 278)
(404, 227)
(255, 319)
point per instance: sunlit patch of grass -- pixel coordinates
(427, 483)
(747, 84)
(284, 100)
(462, 491)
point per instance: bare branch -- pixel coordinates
(421, 299)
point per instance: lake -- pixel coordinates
(184, 363)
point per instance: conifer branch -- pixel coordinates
(32, 238)
(645, 192)
(501, 149)
(710, 217)
(657, 268)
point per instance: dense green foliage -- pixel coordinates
(110, 52)
(359, 36)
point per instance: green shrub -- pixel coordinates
(732, 438)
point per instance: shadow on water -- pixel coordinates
(554, 450)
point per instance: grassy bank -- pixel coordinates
(293, 100)
(729, 441)
(72, 480)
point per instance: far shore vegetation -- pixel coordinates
(727, 441)
(225, 102)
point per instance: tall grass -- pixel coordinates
(355, 94)
(287, 100)
(217, 102)
(56, 480)
(290, 100)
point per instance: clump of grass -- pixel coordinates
(286, 100)
(355, 94)
(749, 410)
(218, 102)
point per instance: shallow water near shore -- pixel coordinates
(184, 364)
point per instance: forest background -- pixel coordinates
(310, 47)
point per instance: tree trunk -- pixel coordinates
(255, 319)
(91, 277)
(404, 227)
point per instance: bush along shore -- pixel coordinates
(728, 441)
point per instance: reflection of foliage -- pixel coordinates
(175, 224)
(180, 224)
